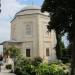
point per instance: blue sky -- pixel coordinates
(9, 9)
(36, 2)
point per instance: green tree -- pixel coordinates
(62, 15)
(13, 52)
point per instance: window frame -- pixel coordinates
(47, 52)
(28, 53)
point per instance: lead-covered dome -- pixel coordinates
(32, 9)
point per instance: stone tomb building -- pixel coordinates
(29, 33)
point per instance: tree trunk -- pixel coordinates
(73, 44)
(58, 52)
(73, 60)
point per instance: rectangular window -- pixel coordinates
(28, 30)
(27, 52)
(47, 51)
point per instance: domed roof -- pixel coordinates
(30, 10)
(31, 7)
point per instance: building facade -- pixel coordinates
(29, 33)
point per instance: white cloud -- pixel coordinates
(8, 10)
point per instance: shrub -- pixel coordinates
(23, 67)
(9, 66)
(36, 61)
(36, 67)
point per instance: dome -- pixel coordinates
(31, 7)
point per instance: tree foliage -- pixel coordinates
(13, 52)
(62, 15)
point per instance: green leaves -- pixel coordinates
(13, 52)
(36, 61)
(26, 67)
(61, 19)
